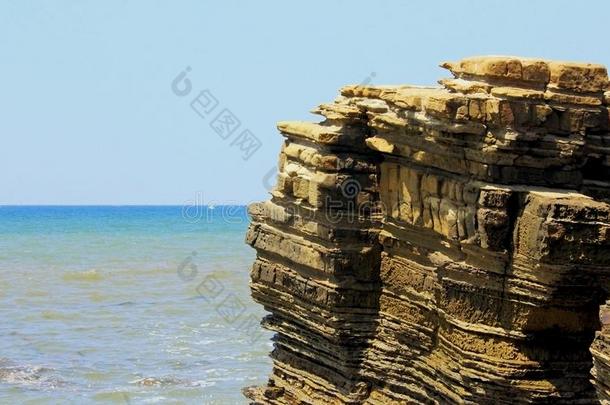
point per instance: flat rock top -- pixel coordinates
(571, 76)
(500, 77)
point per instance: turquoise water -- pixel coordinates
(127, 305)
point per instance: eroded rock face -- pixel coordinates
(442, 244)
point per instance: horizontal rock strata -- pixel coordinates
(442, 244)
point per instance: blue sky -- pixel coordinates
(89, 116)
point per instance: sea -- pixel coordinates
(128, 305)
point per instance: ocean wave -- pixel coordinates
(164, 381)
(28, 375)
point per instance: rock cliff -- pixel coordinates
(443, 244)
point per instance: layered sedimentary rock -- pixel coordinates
(601, 357)
(442, 244)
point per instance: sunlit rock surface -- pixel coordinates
(442, 244)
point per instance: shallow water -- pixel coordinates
(127, 305)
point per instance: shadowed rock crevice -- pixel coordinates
(442, 244)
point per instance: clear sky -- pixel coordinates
(88, 115)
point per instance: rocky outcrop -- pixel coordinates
(601, 357)
(442, 244)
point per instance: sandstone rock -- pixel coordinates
(532, 71)
(465, 86)
(443, 244)
(516, 92)
(581, 77)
